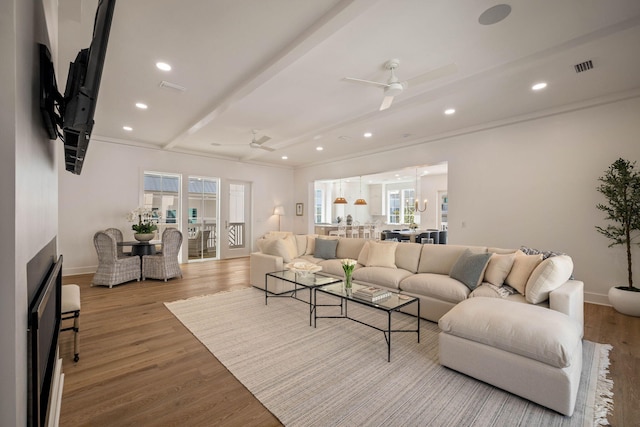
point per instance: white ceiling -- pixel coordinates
(278, 66)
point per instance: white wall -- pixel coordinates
(528, 183)
(28, 185)
(110, 186)
(430, 185)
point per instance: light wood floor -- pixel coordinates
(140, 366)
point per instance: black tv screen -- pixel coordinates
(81, 93)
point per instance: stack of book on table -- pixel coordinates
(371, 294)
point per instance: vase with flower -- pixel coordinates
(145, 223)
(347, 266)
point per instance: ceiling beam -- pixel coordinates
(339, 16)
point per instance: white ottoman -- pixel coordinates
(530, 351)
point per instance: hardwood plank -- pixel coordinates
(140, 366)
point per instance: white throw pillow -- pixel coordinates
(311, 244)
(290, 243)
(499, 268)
(276, 247)
(523, 266)
(382, 254)
(549, 275)
(363, 257)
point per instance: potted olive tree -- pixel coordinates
(620, 185)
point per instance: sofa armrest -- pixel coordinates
(260, 264)
(569, 299)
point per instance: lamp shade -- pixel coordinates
(278, 210)
(340, 201)
(360, 202)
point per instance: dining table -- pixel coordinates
(142, 248)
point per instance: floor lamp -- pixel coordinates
(278, 210)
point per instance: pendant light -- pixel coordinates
(416, 204)
(340, 200)
(360, 201)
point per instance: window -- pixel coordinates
(408, 212)
(162, 196)
(318, 206)
(394, 207)
(401, 206)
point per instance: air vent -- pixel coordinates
(173, 86)
(583, 66)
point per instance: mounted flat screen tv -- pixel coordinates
(74, 111)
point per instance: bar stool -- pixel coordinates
(71, 310)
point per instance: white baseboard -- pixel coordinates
(79, 270)
(599, 299)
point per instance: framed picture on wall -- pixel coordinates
(299, 209)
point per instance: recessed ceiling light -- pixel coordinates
(127, 128)
(284, 157)
(539, 86)
(368, 135)
(163, 66)
(449, 111)
(141, 105)
(319, 148)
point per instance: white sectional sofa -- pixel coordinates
(507, 318)
(425, 271)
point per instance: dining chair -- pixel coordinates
(392, 236)
(355, 229)
(113, 270)
(117, 234)
(198, 244)
(366, 230)
(341, 231)
(165, 265)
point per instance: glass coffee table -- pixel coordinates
(391, 304)
(290, 283)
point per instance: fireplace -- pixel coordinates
(44, 285)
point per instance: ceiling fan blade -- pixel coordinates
(386, 102)
(266, 148)
(262, 140)
(434, 74)
(366, 82)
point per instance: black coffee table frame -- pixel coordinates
(391, 304)
(300, 283)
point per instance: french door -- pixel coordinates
(202, 218)
(236, 231)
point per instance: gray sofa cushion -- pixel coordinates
(440, 258)
(436, 286)
(469, 268)
(325, 248)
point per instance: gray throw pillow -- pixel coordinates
(325, 248)
(469, 268)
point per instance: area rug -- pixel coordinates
(337, 374)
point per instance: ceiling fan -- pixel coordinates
(258, 143)
(253, 144)
(394, 86)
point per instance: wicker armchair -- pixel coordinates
(198, 245)
(117, 234)
(111, 269)
(164, 265)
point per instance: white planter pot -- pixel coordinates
(625, 302)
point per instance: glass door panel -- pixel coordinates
(202, 211)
